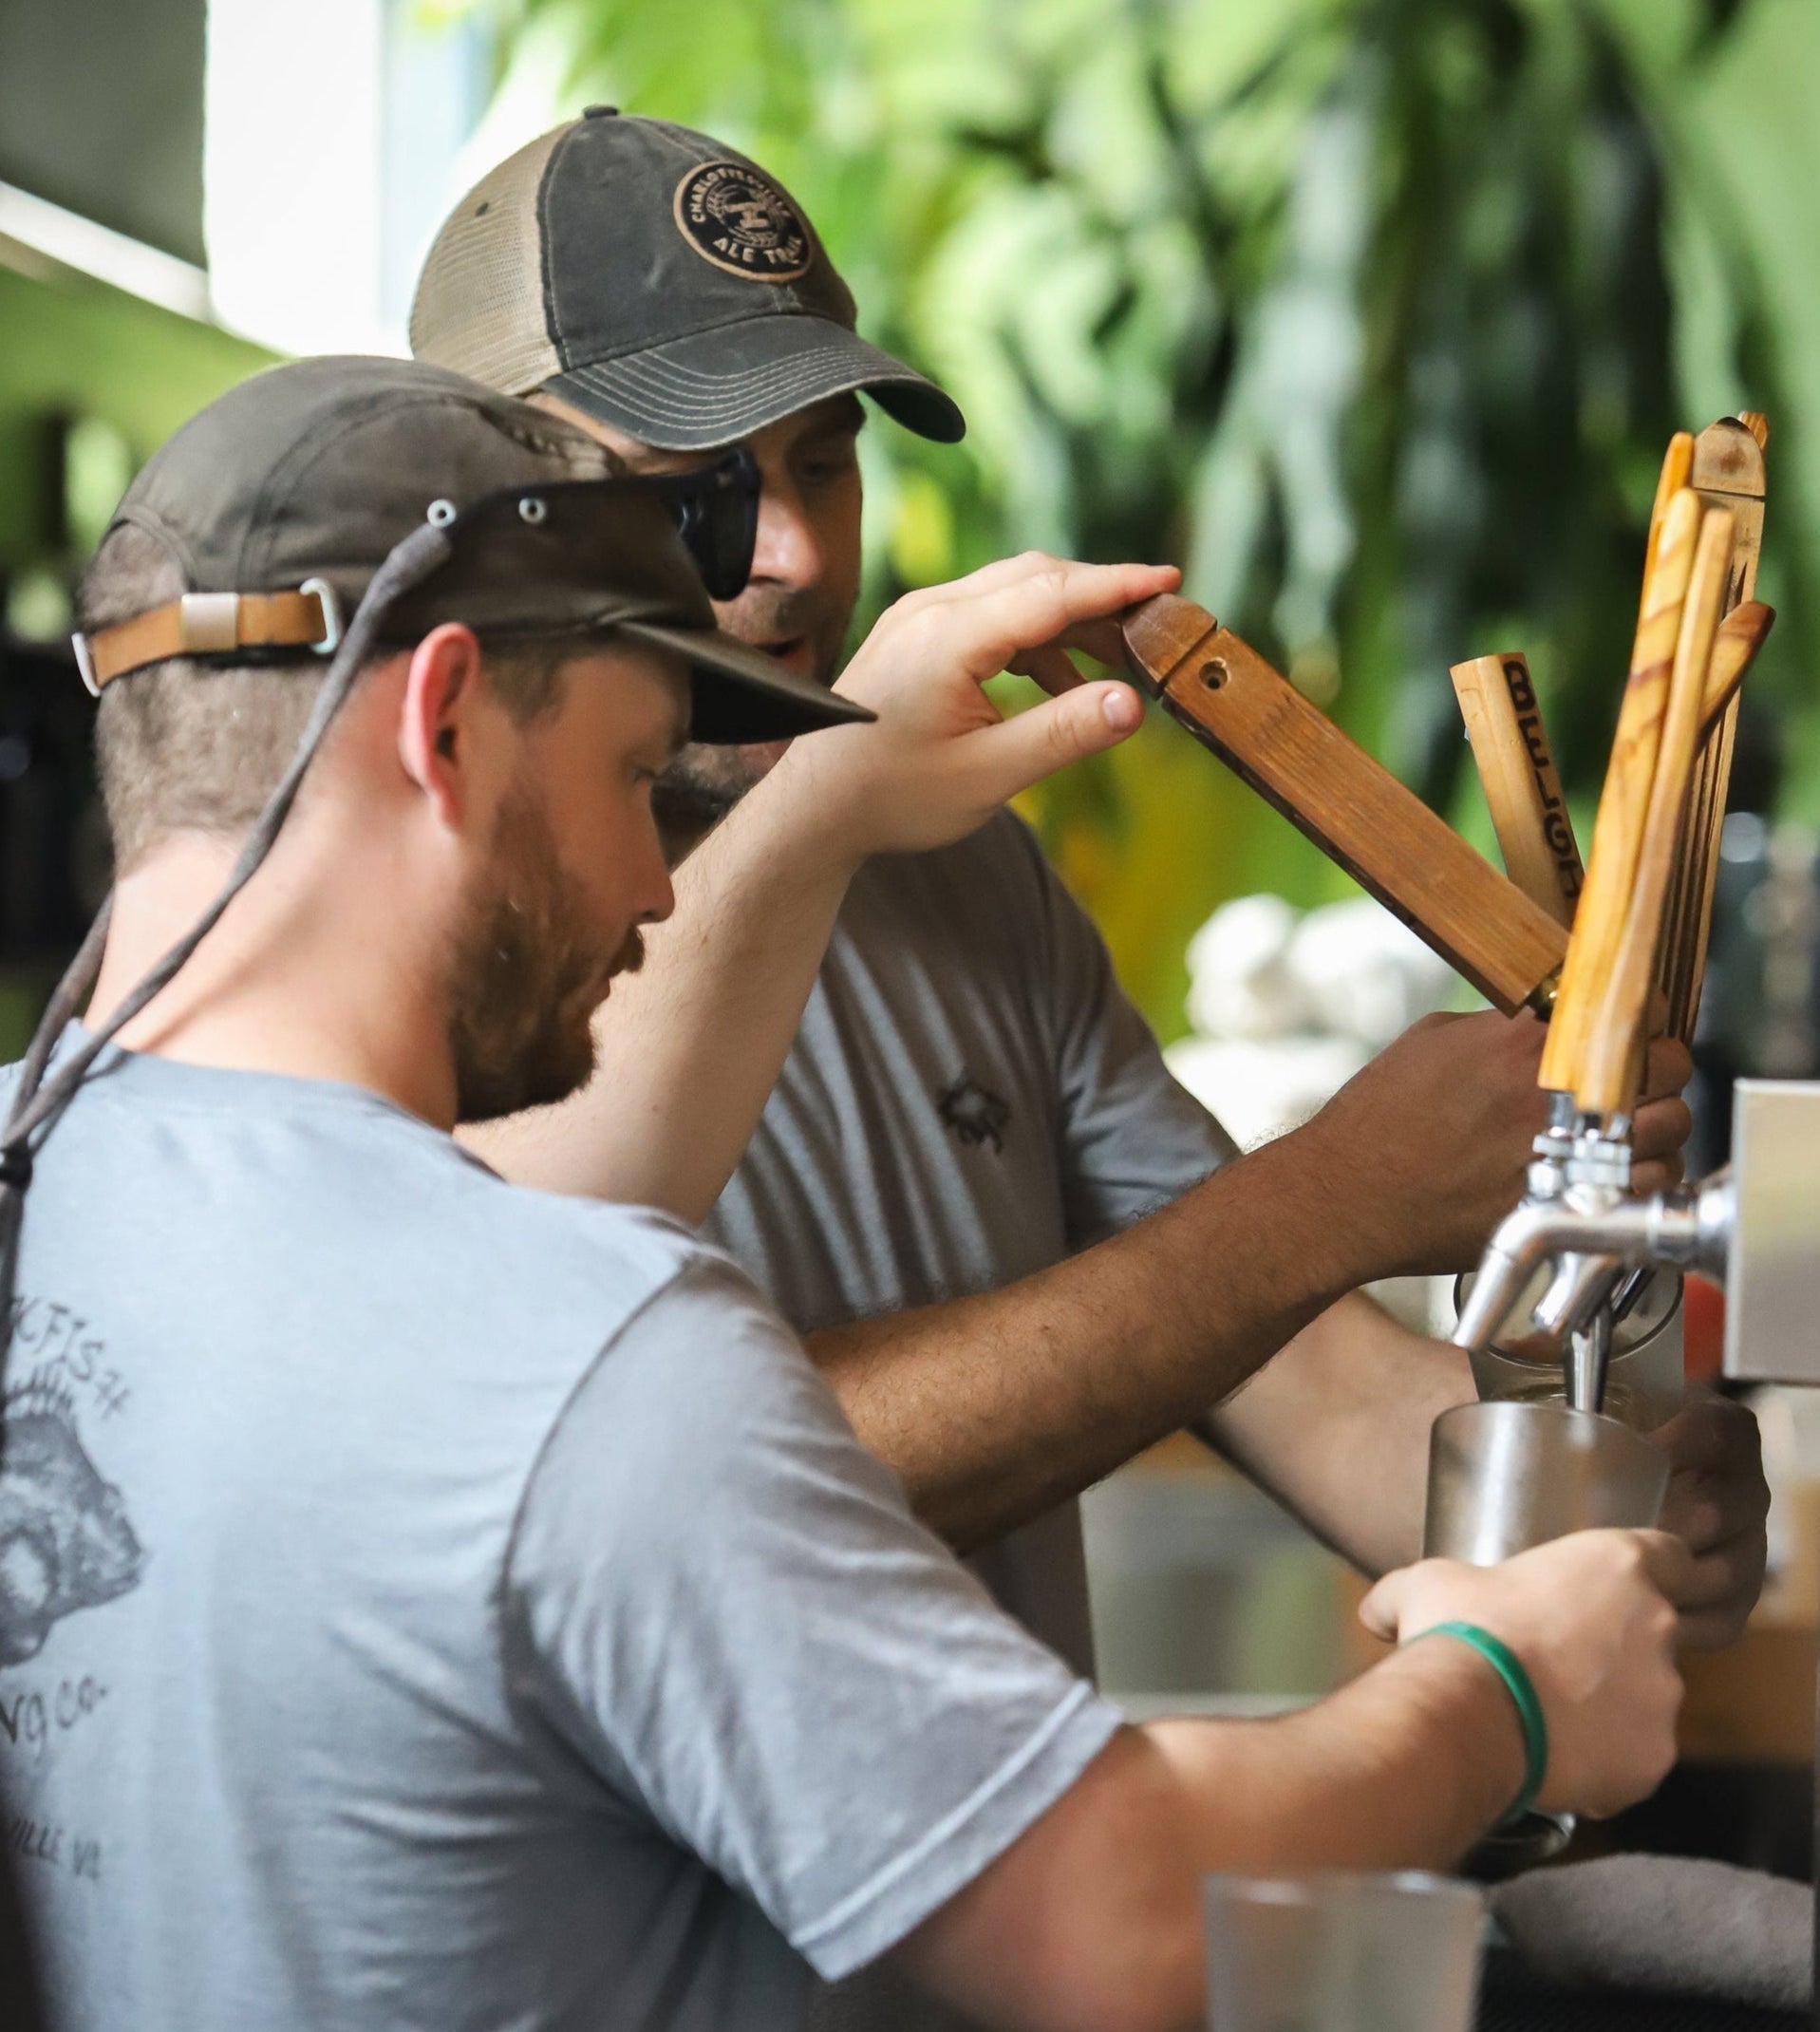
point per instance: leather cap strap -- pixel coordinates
(207, 623)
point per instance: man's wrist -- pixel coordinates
(800, 816)
(1477, 1733)
(1338, 1236)
(1523, 1697)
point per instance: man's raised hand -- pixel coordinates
(1434, 1137)
(940, 758)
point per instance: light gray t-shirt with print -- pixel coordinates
(429, 1604)
(970, 1099)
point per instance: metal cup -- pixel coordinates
(1644, 1380)
(1504, 1477)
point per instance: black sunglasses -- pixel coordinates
(717, 515)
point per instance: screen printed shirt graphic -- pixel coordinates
(427, 1602)
(65, 1540)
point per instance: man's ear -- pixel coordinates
(436, 726)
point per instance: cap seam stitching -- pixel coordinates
(173, 542)
(651, 359)
(780, 372)
(551, 308)
(295, 466)
(663, 403)
(724, 324)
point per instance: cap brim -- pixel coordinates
(742, 694)
(714, 387)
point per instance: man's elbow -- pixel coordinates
(1145, 1980)
(1089, 1923)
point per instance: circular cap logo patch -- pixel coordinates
(742, 222)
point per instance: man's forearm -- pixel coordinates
(1095, 1918)
(1406, 1766)
(1337, 1426)
(992, 1410)
(691, 1047)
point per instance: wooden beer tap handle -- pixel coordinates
(1728, 471)
(1623, 802)
(1741, 633)
(1522, 787)
(1613, 1053)
(1676, 473)
(1349, 805)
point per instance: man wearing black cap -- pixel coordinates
(425, 1602)
(970, 1102)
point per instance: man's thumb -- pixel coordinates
(1032, 745)
(1381, 1611)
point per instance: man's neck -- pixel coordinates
(299, 977)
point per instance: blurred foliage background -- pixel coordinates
(1373, 314)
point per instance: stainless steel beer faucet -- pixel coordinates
(1754, 1226)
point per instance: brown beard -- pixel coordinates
(527, 974)
(704, 782)
(697, 791)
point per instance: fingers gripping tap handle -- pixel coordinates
(1232, 702)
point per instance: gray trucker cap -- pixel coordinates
(658, 281)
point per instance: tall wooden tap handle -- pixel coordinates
(1741, 633)
(1516, 767)
(1728, 472)
(1349, 805)
(1617, 831)
(1676, 473)
(1607, 1081)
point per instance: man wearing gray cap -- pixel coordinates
(970, 1104)
(427, 1602)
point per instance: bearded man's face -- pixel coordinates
(527, 974)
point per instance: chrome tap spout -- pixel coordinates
(1688, 1229)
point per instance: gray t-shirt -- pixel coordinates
(426, 1602)
(970, 1099)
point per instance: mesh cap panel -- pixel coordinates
(479, 303)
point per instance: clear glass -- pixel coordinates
(1342, 1951)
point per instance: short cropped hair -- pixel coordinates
(193, 746)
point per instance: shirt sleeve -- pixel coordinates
(1133, 1137)
(721, 1605)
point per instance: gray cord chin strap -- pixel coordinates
(38, 1104)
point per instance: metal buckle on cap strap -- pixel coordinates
(330, 606)
(207, 621)
(85, 665)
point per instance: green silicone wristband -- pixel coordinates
(1508, 1667)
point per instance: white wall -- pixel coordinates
(333, 147)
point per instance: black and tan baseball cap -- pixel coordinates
(282, 501)
(655, 280)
